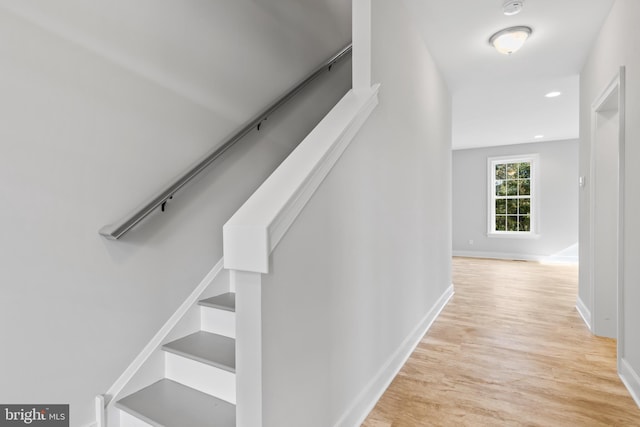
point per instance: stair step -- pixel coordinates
(201, 376)
(167, 403)
(205, 347)
(223, 302)
(219, 322)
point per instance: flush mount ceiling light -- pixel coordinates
(512, 7)
(539, 136)
(553, 94)
(510, 39)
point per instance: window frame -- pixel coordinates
(533, 160)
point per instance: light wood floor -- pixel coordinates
(509, 350)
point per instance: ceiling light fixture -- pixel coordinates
(512, 7)
(553, 94)
(539, 136)
(510, 39)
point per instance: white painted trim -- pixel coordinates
(161, 335)
(101, 420)
(248, 349)
(630, 378)
(256, 228)
(573, 259)
(622, 90)
(617, 83)
(517, 257)
(512, 235)
(534, 160)
(367, 399)
(232, 281)
(498, 255)
(584, 312)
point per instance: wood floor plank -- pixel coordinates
(509, 350)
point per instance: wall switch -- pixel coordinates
(581, 181)
(471, 242)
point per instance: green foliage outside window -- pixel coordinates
(513, 197)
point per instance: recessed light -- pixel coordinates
(553, 94)
(539, 136)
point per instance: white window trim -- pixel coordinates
(534, 159)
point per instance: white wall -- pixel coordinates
(102, 104)
(616, 45)
(557, 198)
(370, 254)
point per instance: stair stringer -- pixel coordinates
(149, 366)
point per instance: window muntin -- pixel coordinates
(512, 199)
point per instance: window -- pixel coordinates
(512, 195)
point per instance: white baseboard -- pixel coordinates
(367, 399)
(518, 257)
(497, 255)
(560, 260)
(631, 380)
(584, 312)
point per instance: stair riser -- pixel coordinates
(217, 321)
(128, 420)
(200, 376)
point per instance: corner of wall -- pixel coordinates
(367, 399)
(584, 312)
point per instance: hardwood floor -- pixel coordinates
(509, 350)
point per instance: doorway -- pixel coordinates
(607, 175)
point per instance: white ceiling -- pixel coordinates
(499, 99)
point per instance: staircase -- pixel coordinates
(199, 385)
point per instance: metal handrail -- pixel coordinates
(119, 229)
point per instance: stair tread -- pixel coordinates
(170, 404)
(205, 347)
(223, 302)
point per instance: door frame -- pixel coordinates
(617, 84)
